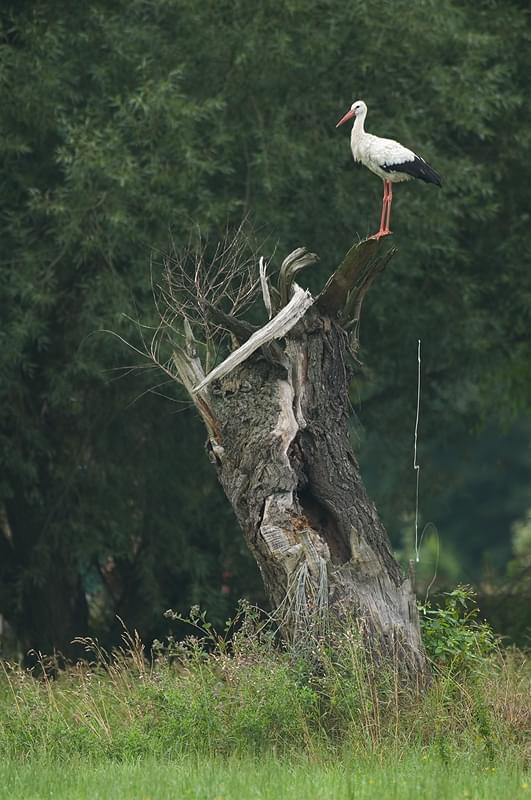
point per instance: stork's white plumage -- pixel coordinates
(390, 160)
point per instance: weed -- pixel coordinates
(242, 693)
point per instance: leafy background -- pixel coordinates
(125, 123)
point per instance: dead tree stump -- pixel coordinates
(277, 413)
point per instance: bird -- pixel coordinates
(388, 159)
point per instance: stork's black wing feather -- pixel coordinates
(418, 168)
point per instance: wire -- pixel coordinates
(416, 466)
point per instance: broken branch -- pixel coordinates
(292, 264)
(276, 328)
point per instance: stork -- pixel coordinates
(388, 159)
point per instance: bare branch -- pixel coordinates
(190, 371)
(266, 294)
(274, 329)
(239, 327)
(203, 279)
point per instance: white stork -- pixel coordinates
(388, 159)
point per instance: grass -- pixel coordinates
(243, 717)
(269, 779)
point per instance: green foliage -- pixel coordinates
(522, 543)
(211, 696)
(123, 120)
(453, 635)
(507, 601)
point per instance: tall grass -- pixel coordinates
(211, 696)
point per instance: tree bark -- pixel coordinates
(279, 435)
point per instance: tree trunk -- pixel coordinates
(278, 418)
(41, 592)
(290, 474)
(52, 614)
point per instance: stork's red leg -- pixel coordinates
(384, 218)
(384, 207)
(389, 202)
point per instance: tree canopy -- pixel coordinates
(125, 125)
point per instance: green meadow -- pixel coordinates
(241, 715)
(265, 779)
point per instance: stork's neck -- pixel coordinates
(358, 129)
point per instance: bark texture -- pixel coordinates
(280, 442)
(291, 476)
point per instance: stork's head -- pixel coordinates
(357, 109)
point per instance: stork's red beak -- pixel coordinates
(346, 118)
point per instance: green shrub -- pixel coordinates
(452, 633)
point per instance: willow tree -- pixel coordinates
(277, 410)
